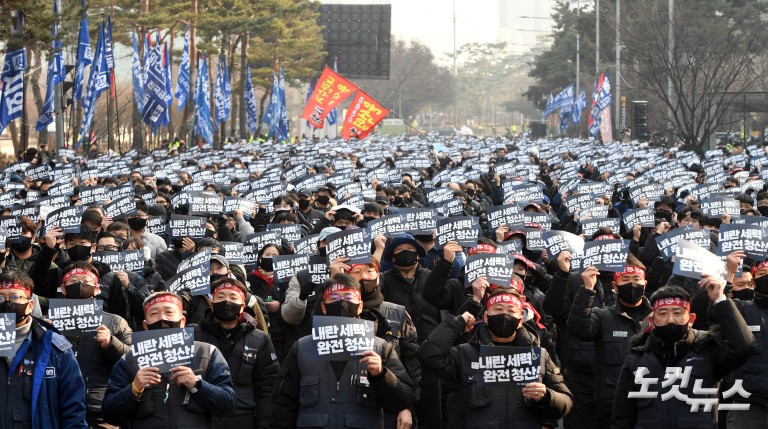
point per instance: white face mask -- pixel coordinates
(147, 254)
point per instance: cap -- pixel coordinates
(305, 192)
(351, 208)
(220, 259)
(398, 240)
(382, 199)
(326, 232)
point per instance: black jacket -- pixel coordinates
(711, 354)
(253, 371)
(504, 404)
(397, 290)
(167, 263)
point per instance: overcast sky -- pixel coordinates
(431, 21)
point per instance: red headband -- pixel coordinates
(758, 266)
(678, 302)
(482, 248)
(340, 288)
(14, 285)
(80, 272)
(523, 259)
(516, 284)
(505, 298)
(630, 270)
(230, 286)
(173, 299)
(605, 237)
(352, 267)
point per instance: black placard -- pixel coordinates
(749, 238)
(261, 239)
(127, 260)
(121, 207)
(164, 348)
(714, 207)
(68, 219)
(7, 335)
(516, 366)
(557, 241)
(92, 195)
(202, 203)
(12, 227)
(463, 229)
(692, 260)
(643, 216)
(509, 214)
(76, 317)
(341, 338)
(318, 269)
(285, 266)
(419, 221)
(197, 280)
(290, 233)
(606, 255)
(157, 225)
(181, 226)
(353, 244)
(496, 268)
(667, 243)
(233, 251)
(589, 227)
(306, 245)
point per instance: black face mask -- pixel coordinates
(423, 238)
(671, 333)
(405, 258)
(23, 245)
(321, 251)
(341, 309)
(503, 326)
(763, 210)
(323, 199)
(216, 277)
(19, 309)
(79, 253)
(369, 219)
(266, 264)
(163, 324)
(210, 233)
(397, 201)
(303, 204)
(471, 192)
(341, 227)
(761, 285)
(137, 223)
(78, 290)
(631, 292)
(745, 294)
(227, 311)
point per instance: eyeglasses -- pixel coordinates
(107, 248)
(14, 299)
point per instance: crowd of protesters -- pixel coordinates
(641, 346)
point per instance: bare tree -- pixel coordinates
(709, 60)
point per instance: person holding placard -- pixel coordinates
(705, 356)
(536, 404)
(185, 397)
(335, 394)
(97, 354)
(44, 362)
(138, 224)
(609, 328)
(249, 353)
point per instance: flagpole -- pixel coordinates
(57, 89)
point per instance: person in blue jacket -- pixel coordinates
(185, 397)
(44, 387)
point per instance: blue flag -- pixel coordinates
(108, 55)
(155, 101)
(578, 107)
(548, 108)
(252, 111)
(55, 75)
(13, 86)
(283, 127)
(222, 91)
(273, 111)
(97, 82)
(331, 119)
(203, 126)
(168, 85)
(144, 73)
(138, 85)
(565, 118)
(84, 58)
(601, 99)
(182, 82)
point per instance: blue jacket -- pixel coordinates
(58, 390)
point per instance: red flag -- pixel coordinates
(330, 91)
(364, 114)
(112, 83)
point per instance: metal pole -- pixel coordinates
(57, 90)
(578, 47)
(597, 38)
(617, 99)
(670, 59)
